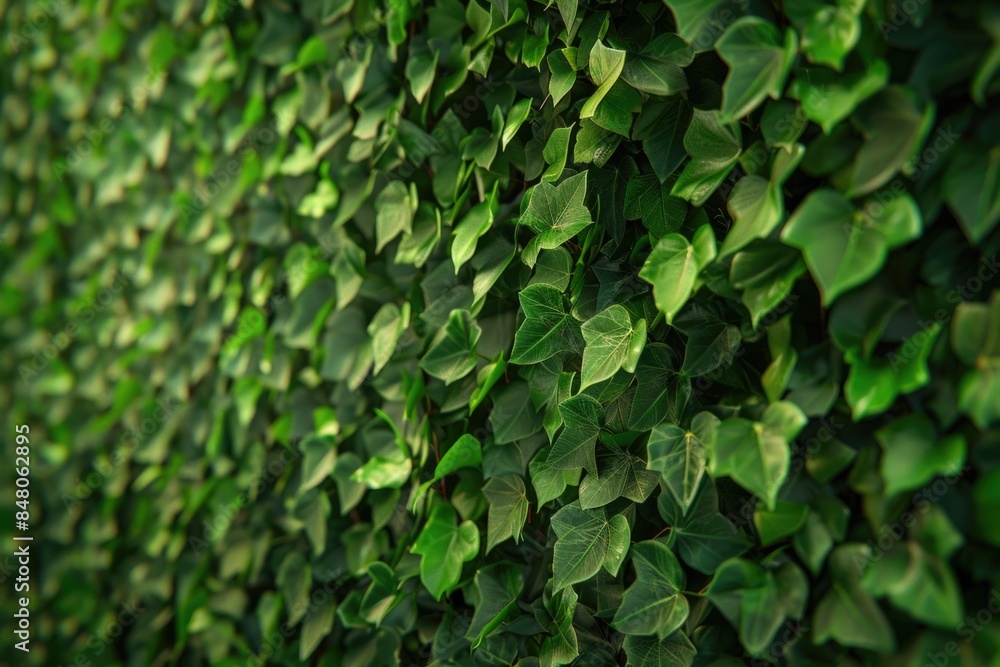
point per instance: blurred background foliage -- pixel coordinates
(264, 261)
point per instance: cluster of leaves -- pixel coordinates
(505, 333)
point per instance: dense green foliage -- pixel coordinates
(468, 332)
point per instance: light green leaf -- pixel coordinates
(444, 546)
(394, 213)
(913, 455)
(606, 66)
(472, 227)
(385, 330)
(842, 247)
(656, 69)
(679, 455)
(756, 454)
(562, 68)
(556, 214)
(758, 64)
(609, 344)
(555, 152)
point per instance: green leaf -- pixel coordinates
(756, 454)
(567, 10)
(828, 98)
(468, 232)
(649, 200)
(679, 455)
(765, 273)
(711, 343)
(444, 546)
(611, 340)
(561, 646)
(714, 148)
(554, 267)
(758, 64)
(843, 248)
(913, 456)
(555, 152)
(656, 69)
(621, 474)
(548, 327)
(618, 544)
(394, 213)
(514, 416)
(582, 541)
(294, 578)
(574, 448)
(675, 651)
(420, 71)
(562, 73)
(380, 597)
(556, 214)
(785, 520)
(976, 340)
(894, 123)
(661, 127)
(701, 536)
(653, 604)
(452, 354)
(972, 190)
(488, 378)
(697, 19)
(498, 587)
(385, 330)
(316, 627)
(848, 614)
(319, 454)
(515, 119)
(662, 392)
(757, 601)
(831, 33)
(508, 508)
(606, 66)
(757, 205)
(671, 268)
(548, 482)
